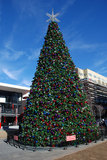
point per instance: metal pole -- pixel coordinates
(16, 120)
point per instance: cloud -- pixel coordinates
(13, 74)
(102, 70)
(9, 74)
(100, 62)
(9, 53)
(82, 45)
(101, 65)
(27, 7)
(26, 82)
(65, 7)
(34, 54)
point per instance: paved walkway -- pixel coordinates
(8, 152)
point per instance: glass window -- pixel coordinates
(2, 100)
(90, 74)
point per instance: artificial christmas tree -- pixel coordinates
(56, 106)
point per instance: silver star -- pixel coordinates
(52, 17)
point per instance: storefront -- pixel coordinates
(11, 106)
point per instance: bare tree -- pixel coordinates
(99, 111)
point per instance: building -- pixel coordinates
(11, 103)
(92, 76)
(95, 86)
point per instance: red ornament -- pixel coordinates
(88, 129)
(81, 104)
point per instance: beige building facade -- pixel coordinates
(92, 76)
(95, 87)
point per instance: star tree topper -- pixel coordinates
(52, 17)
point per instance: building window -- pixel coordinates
(80, 74)
(90, 74)
(2, 99)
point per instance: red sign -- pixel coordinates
(16, 138)
(0, 125)
(71, 138)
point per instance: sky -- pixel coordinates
(23, 27)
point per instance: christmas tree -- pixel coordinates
(57, 105)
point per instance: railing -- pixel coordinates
(10, 111)
(12, 139)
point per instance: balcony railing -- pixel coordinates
(10, 111)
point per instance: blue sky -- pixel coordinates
(23, 26)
